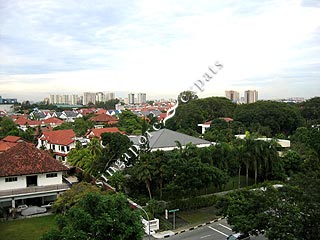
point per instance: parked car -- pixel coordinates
(49, 205)
(33, 210)
(238, 236)
(22, 207)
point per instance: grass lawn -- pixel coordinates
(26, 229)
(199, 216)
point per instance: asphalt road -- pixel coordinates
(215, 231)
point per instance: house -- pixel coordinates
(98, 131)
(60, 142)
(29, 175)
(24, 123)
(68, 116)
(204, 126)
(104, 119)
(52, 122)
(8, 142)
(166, 140)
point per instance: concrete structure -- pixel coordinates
(131, 98)
(8, 108)
(89, 97)
(232, 95)
(142, 98)
(250, 96)
(109, 96)
(27, 173)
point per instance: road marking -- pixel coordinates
(218, 231)
(205, 236)
(225, 226)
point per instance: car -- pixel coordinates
(33, 210)
(238, 236)
(22, 207)
(49, 205)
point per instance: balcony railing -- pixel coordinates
(37, 189)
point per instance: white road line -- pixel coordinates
(218, 231)
(205, 236)
(225, 226)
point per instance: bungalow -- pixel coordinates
(166, 140)
(52, 122)
(98, 131)
(29, 175)
(104, 119)
(60, 142)
(24, 123)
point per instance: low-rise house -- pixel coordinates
(24, 123)
(60, 142)
(29, 175)
(98, 131)
(204, 126)
(104, 119)
(166, 140)
(52, 122)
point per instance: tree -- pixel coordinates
(8, 127)
(288, 212)
(130, 123)
(310, 110)
(269, 117)
(98, 216)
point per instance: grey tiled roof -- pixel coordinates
(167, 138)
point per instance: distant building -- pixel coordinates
(0, 99)
(142, 98)
(89, 97)
(250, 96)
(131, 98)
(109, 96)
(100, 97)
(74, 99)
(232, 95)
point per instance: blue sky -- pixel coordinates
(159, 47)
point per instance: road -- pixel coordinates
(215, 231)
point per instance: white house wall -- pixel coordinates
(22, 181)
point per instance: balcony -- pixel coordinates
(34, 190)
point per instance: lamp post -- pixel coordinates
(138, 206)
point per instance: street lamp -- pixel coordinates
(138, 206)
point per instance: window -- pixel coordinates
(11, 179)
(51, 175)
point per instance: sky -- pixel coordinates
(159, 47)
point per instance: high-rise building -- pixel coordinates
(250, 96)
(74, 99)
(131, 98)
(142, 98)
(109, 96)
(232, 95)
(89, 97)
(100, 97)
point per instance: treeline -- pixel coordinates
(267, 118)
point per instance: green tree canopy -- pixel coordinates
(269, 118)
(98, 216)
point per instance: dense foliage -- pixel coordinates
(98, 216)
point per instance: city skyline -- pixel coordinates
(159, 48)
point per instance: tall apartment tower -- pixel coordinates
(89, 97)
(109, 96)
(100, 97)
(250, 96)
(232, 95)
(131, 98)
(142, 98)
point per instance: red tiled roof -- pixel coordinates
(52, 120)
(12, 139)
(104, 118)
(98, 131)
(24, 121)
(24, 158)
(60, 137)
(4, 146)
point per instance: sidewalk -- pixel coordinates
(166, 234)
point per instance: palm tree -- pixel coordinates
(145, 170)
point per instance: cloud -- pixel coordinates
(159, 47)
